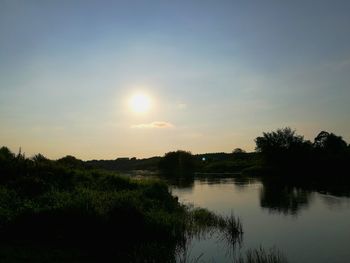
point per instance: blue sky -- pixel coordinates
(218, 72)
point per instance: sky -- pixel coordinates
(217, 74)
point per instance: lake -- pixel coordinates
(305, 223)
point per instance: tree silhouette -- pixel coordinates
(6, 154)
(282, 147)
(177, 163)
(330, 143)
(238, 151)
(70, 161)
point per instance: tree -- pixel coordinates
(177, 163)
(282, 139)
(6, 154)
(6, 161)
(238, 151)
(70, 161)
(239, 154)
(39, 158)
(330, 143)
(282, 147)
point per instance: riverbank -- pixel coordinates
(51, 211)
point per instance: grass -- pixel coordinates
(261, 255)
(232, 228)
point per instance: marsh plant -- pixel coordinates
(261, 255)
(232, 228)
(203, 224)
(232, 234)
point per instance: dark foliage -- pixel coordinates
(283, 148)
(285, 151)
(179, 163)
(125, 164)
(82, 214)
(54, 203)
(233, 162)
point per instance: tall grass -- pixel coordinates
(201, 224)
(261, 255)
(232, 228)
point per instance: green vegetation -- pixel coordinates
(78, 213)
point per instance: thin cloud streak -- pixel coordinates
(155, 124)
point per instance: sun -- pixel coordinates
(140, 103)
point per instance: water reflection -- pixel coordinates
(336, 203)
(277, 195)
(283, 199)
(289, 197)
(185, 182)
(236, 179)
(275, 212)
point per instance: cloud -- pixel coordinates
(155, 124)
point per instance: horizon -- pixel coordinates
(102, 79)
(20, 150)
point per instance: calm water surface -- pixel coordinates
(307, 225)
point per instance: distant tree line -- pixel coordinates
(280, 150)
(126, 164)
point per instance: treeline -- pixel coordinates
(285, 151)
(207, 162)
(173, 162)
(234, 162)
(125, 164)
(119, 164)
(278, 152)
(282, 150)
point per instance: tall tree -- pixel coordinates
(330, 143)
(282, 147)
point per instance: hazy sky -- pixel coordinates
(218, 73)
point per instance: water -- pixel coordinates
(307, 224)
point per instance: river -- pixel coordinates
(307, 224)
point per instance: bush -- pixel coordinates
(177, 163)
